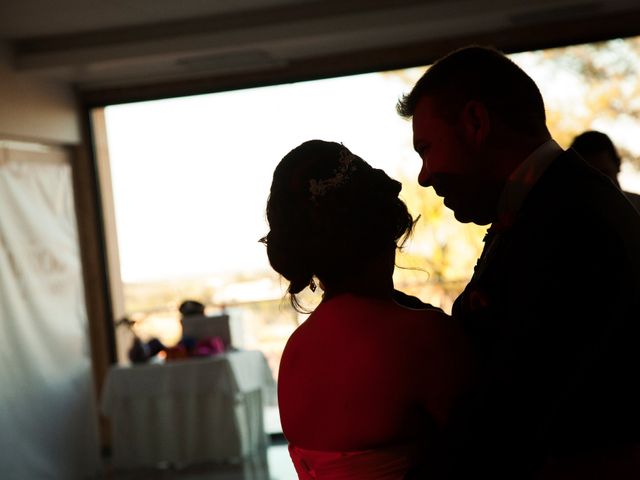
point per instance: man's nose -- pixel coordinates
(424, 178)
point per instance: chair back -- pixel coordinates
(203, 326)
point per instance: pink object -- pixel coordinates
(208, 346)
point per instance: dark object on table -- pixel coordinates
(141, 352)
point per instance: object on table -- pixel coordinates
(141, 352)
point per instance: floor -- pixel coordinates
(272, 464)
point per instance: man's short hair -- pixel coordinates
(593, 142)
(483, 74)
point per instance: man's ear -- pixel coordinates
(476, 122)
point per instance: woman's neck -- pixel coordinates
(375, 280)
(368, 291)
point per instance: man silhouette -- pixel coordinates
(552, 307)
(600, 152)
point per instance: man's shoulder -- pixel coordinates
(569, 172)
(577, 221)
(410, 301)
(571, 191)
(634, 198)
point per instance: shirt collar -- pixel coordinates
(524, 177)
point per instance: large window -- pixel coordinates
(190, 178)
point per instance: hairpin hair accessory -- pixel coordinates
(346, 166)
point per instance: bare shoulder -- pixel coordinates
(295, 344)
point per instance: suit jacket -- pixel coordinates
(634, 198)
(553, 314)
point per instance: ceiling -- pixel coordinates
(114, 49)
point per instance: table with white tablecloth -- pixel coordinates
(188, 411)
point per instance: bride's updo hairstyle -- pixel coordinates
(330, 213)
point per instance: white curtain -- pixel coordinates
(48, 427)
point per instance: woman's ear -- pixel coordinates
(476, 122)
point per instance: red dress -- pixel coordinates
(363, 382)
(379, 464)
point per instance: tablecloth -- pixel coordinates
(188, 411)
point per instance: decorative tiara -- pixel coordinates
(346, 166)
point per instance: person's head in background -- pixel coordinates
(191, 307)
(476, 116)
(599, 151)
(334, 217)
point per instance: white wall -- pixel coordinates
(35, 108)
(49, 402)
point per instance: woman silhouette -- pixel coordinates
(365, 383)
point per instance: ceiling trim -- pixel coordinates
(511, 40)
(238, 20)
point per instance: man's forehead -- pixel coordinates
(424, 105)
(423, 115)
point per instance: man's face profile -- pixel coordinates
(450, 165)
